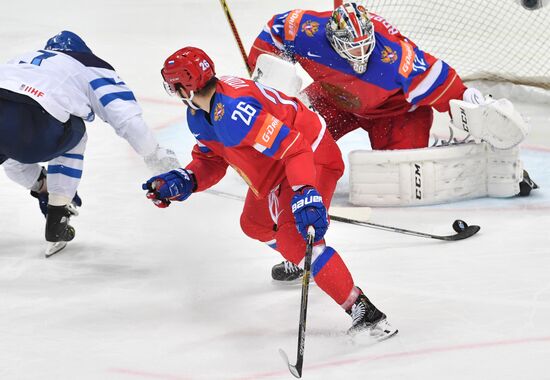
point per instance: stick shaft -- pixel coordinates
(236, 35)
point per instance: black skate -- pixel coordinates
(286, 272)
(58, 230)
(526, 185)
(366, 317)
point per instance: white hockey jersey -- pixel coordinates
(80, 84)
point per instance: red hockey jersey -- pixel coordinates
(399, 76)
(264, 135)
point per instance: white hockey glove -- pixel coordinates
(162, 160)
(474, 96)
(494, 121)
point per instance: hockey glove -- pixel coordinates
(474, 96)
(162, 160)
(309, 210)
(176, 185)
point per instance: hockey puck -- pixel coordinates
(459, 225)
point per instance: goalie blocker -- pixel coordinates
(434, 175)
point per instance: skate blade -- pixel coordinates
(53, 248)
(366, 335)
(386, 336)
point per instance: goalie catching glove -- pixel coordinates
(494, 121)
(308, 210)
(176, 185)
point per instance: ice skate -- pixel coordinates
(58, 230)
(287, 272)
(526, 185)
(367, 318)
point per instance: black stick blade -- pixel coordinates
(465, 234)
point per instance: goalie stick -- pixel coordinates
(462, 229)
(296, 369)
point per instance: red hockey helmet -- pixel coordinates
(189, 68)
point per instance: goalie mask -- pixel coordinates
(351, 34)
(186, 71)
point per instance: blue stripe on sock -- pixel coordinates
(123, 95)
(65, 170)
(75, 156)
(321, 261)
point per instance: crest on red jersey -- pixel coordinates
(310, 28)
(342, 97)
(389, 55)
(218, 112)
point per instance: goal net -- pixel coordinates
(496, 40)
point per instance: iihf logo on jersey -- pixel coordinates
(310, 28)
(389, 55)
(218, 112)
(31, 90)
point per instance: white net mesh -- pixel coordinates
(490, 39)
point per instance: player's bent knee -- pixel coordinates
(257, 230)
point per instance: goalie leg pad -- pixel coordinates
(496, 122)
(432, 175)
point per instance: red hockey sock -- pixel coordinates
(332, 275)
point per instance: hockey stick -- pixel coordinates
(236, 35)
(296, 369)
(462, 229)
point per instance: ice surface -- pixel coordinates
(182, 294)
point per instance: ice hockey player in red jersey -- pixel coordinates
(367, 75)
(281, 149)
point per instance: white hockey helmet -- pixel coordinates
(351, 34)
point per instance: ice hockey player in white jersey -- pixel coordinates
(45, 98)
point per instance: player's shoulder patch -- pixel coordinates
(218, 112)
(292, 24)
(310, 28)
(388, 55)
(408, 56)
(268, 131)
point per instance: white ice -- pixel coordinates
(181, 293)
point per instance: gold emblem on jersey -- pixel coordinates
(310, 28)
(343, 98)
(218, 112)
(389, 55)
